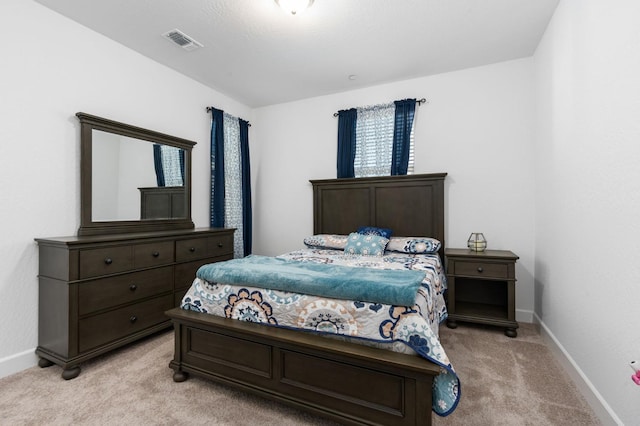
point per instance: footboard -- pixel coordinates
(346, 382)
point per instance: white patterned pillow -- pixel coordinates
(326, 241)
(368, 245)
(414, 245)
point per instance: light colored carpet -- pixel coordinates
(509, 381)
(504, 382)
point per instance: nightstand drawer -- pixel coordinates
(482, 269)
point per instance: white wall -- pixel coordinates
(51, 69)
(136, 169)
(477, 126)
(573, 107)
(588, 192)
(105, 167)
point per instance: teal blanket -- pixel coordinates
(392, 287)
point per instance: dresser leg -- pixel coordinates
(180, 376)
(71, 373)
(44, 363)
(511, 332)
(451, 323)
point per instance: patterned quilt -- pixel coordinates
(406, 329)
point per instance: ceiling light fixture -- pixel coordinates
(294, 7)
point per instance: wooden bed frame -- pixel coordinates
(343, 381)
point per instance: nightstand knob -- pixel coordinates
(155, 254)
(133, 319)
(220, 245)
(480, 269)
(133, 287)
(192, 249)
(108, 261)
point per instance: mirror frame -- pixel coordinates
(88, 123)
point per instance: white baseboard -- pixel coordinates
(600, 407)
(18, 362)
(524, 316)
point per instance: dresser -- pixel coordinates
(481, 288)
(97, 293)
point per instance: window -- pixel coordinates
(376, 140)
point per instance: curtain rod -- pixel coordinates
(210, 108)
(420, 101)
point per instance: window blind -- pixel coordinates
(374, 141)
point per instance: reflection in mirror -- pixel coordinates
(169, 164)
(132, 179)
(122, 166)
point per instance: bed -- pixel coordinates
(348, 382)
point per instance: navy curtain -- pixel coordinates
(181, 157)
(246, 186)
(405, 110)
(217, 168)
(157, 162)
(346, 142)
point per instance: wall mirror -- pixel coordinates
(132, 179)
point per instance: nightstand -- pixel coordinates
(481, 288)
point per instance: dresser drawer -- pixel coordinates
(178, 295)
(104, 261)
(185, 273)
(191, 249)
(119, 323)
(220, 245)
(481, 269)
(107, 292)
(153, 254)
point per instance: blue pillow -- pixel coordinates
(372, 230)
(367, 245)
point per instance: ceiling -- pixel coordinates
(258, 55)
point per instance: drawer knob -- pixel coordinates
(220, 244)
(133, 319)
(192, 249)
(155, 254)
(108, 261)
(133, 287)
(480, 269)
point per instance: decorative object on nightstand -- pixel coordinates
(481, 288)
(477, 242)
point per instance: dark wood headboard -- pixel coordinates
(411, 205)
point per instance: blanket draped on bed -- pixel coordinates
(402, 327)
(393, 287)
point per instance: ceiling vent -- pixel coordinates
(182, 40)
